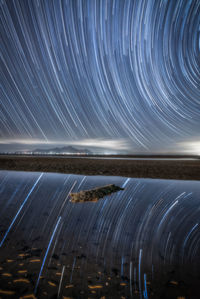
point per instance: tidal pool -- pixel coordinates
(143, 242)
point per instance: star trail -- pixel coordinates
(115, 70)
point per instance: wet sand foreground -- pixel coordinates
(161, 169)
(142, 242)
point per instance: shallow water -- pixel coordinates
(143, 242)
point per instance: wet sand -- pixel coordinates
(139, 243)
(160, 169)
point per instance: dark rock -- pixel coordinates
(94, 194)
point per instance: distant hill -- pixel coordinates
(62, 150)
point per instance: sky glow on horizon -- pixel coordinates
(116, 75)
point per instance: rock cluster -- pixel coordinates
(94, 194)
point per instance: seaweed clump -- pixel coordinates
(95, 194)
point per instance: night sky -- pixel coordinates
(119, 75)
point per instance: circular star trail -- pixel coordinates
(73, 70)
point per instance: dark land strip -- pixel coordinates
(158, 169)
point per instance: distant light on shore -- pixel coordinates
(100, 146)
(192, 147)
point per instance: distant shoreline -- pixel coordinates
(158, 169)
(156, 156)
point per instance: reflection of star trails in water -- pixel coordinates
(13, 221)
(47, 251)
(52, 237)
(126, 243)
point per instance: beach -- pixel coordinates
(157, 167)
